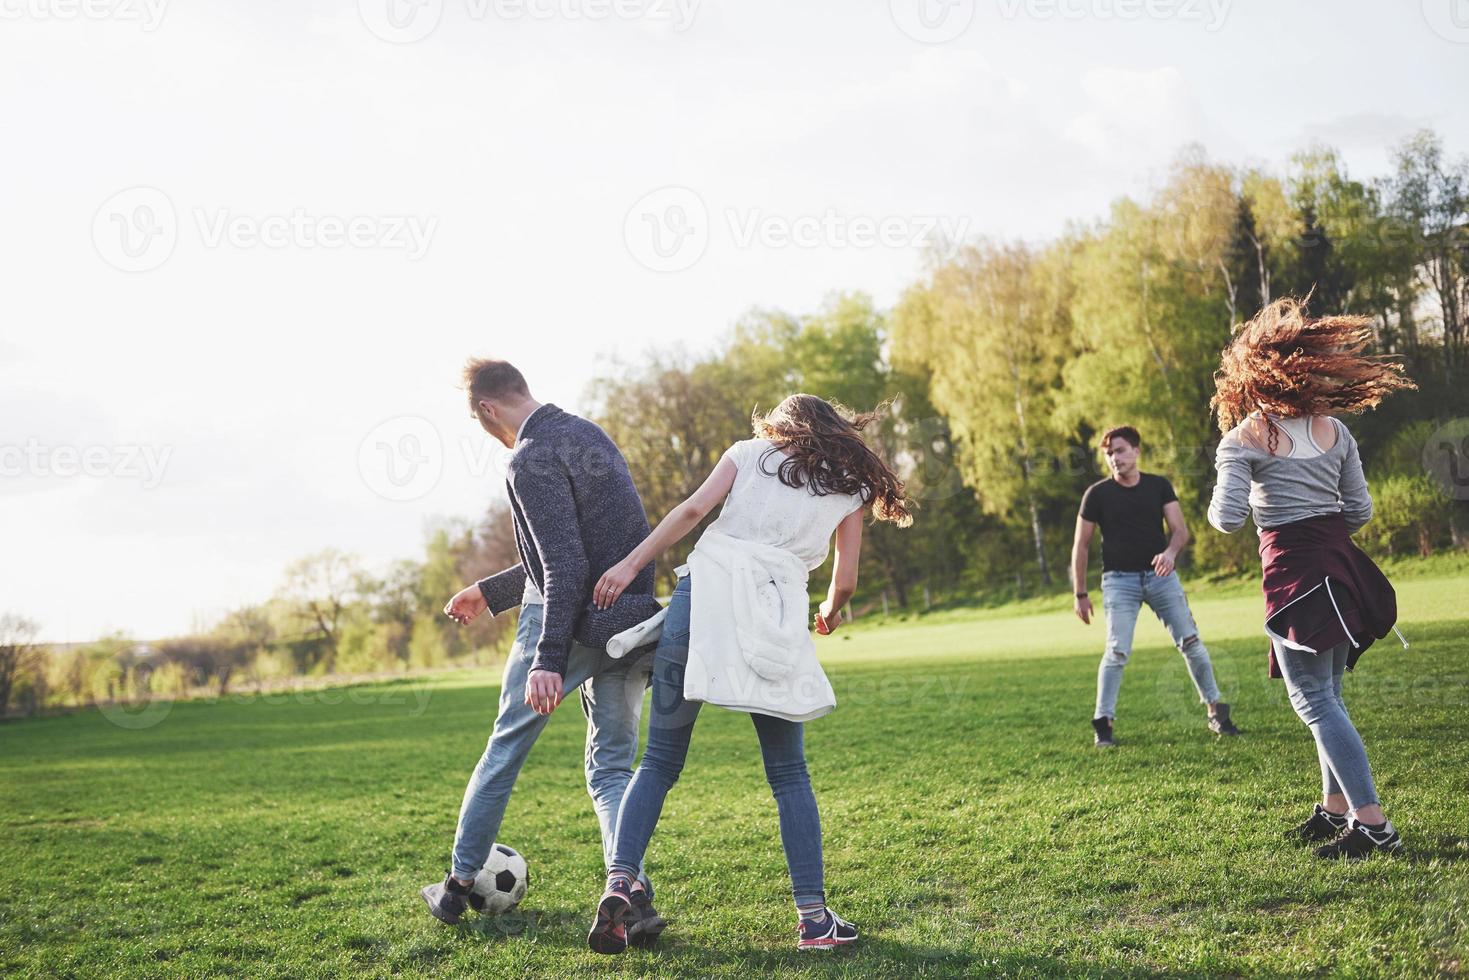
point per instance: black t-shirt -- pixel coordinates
(1131, 519)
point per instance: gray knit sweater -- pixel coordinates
(1284, 489)
(576, 514)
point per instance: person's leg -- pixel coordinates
(1311, 680)
(1121, 599)
(782, 747)
(613, 701)
(1165, 595)
(516, 729)
(670, 726)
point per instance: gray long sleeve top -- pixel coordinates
(576, 514)
(1284, 489)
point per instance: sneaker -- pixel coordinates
(1359, 841)
(446, 899)
(646, 924)
(614, 913)
(1321, 826)
(827, 933)
(1103, 729)
(1219, 722)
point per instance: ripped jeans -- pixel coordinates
(1123, 594)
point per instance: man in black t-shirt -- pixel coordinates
(1137, 567)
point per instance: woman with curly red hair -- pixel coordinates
(742, 641)
(1287, 459)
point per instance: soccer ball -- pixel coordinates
(501, 883)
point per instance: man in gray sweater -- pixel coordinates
(576, 514)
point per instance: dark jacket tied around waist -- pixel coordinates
(576, 514)
(1321, 590)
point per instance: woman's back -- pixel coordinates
(762, 509)
(1313, 470)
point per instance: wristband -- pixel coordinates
(1082, 595)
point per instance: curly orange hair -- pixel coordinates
(1291, 364)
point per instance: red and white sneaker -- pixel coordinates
(827, 933)
(614, 913)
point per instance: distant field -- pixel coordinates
(971, 828)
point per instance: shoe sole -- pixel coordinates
(646, 931)
(433, 909)
(612, 914)
(821, 945)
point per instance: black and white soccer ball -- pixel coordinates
(501, 883)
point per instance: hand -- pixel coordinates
(612, 584)
(827, 619)
(466, 604)
(1163, 564)
(1083, 609)
(543, 691)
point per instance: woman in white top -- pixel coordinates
(806, 475)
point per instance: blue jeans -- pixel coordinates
(613, 702)
(1313, 681)
(1123, 594)
(669, 728)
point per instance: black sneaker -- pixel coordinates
(1359, 841)
(646, 924)
(609, 930)
(1103, 729)
(1219, 722)
(446, 899)
(1322, 825)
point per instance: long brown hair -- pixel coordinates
(1290, 364)
(824, 450)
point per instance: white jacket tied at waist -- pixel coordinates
(749, 646)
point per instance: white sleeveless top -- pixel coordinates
(760, 508)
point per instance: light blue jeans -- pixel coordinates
(670, 727)
(1313, 681)
(1123, 594)
(612, 697)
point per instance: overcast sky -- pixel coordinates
(247, 245)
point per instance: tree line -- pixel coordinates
(1001, 364)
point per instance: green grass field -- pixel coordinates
(970, 827)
